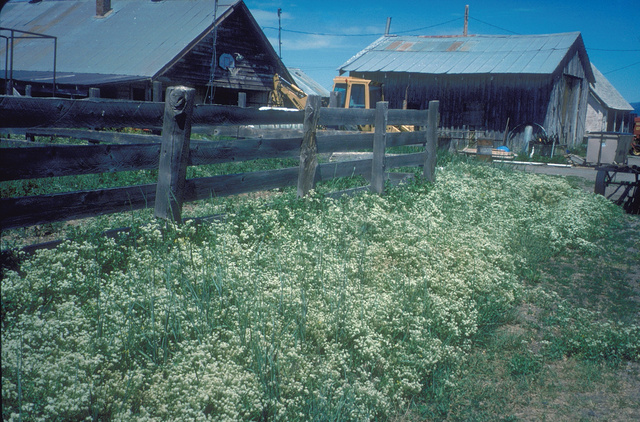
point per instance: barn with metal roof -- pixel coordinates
(128, 48)
(485, 82)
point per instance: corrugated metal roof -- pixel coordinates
(498, 54)
(136, 39)
(305, 83)
(607, 93)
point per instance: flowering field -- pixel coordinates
(312, 309)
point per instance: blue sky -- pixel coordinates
(319, 36)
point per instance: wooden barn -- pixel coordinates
(607, 110)
(485, 82)
(135, 49)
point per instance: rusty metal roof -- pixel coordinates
(137, 39)
(474, 54)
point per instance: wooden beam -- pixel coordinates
(379, 146)
(431, 148)
(309, 148)
(174, 155)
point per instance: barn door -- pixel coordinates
(570, 101)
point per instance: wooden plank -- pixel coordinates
(174, 155)
(379, 146)
(41, 112)
(65, 160)
(407, 117)
(432, 141)
(205, 114)
(346, 117)
(405, 160)
(213, 152)
(344, 143)
(399, 139)
(31, 210)
(38, 112)
(309, 148)
(69, 160)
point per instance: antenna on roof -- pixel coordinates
(466, 20)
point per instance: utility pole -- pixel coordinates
(280, 33)
(466, 20)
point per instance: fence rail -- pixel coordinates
(20, 163)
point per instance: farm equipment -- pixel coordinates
(362, 93)
(621, 184)
(635, 144)
(284, 89)
(356, 92)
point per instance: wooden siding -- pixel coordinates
(256, 62)
(482, 102)
(567, 108)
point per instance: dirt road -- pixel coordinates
(586, 174)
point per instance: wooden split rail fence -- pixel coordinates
(172, 152)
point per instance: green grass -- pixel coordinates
(487, 295)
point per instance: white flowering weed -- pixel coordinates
(311, 309)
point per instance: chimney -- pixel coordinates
(103, 7)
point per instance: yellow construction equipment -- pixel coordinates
(356, 92)
(352, 93)
(284, 89)
(362, 93)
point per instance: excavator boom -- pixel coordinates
(284, 89)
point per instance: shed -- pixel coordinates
(607, 110)
(126, 48)
(485, 82)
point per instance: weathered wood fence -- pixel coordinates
(172, 152)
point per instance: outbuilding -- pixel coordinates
(493, 83)
(607, 111)
(135, 49)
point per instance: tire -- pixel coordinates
(600, 186)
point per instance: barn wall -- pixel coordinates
(481, 102)
(596, 116)
(567, 110)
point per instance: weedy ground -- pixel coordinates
(487, 295)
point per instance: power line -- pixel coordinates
(324, 34)
(613, 50)
(427, 27)
(495, 26)
(622, 68)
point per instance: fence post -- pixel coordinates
(379, 146)
(309, 147)
(174, 154)
(431, 148)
